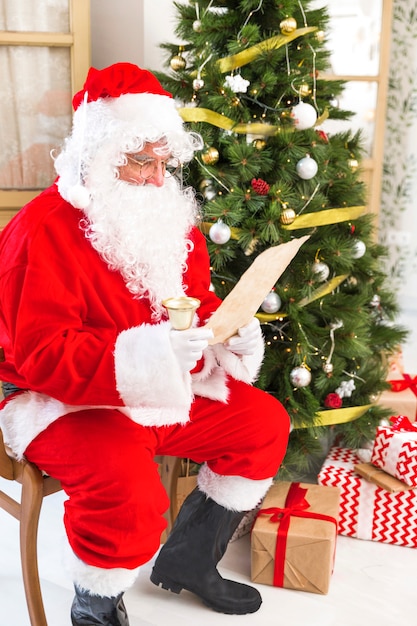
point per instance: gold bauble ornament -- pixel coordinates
(353, 164)
(287, 216)
(206, 182)
(177, 63)
(320, 36)
(304, 89)
(210, 156)
(259, 144)
(288, 26)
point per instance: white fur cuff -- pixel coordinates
(99, 581)
(148, 377)
(244, 368)
(235, 493)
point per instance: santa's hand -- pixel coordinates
(246, 340)
(188, 345)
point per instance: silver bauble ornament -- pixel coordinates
(220, 232)
(328, 368)
(358, 249)
(306, 168)
(198, 83)
(209, 192)
(300, 376)
(321, 270)
(272, 303)
(304, 115)
(197, 26)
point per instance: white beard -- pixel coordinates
(141, 231)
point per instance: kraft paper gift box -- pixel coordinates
(395, 450)
(293, 539)
(401, 399)
(368, 511)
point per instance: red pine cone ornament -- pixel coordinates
(260, 186)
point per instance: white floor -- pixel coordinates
(372, 583)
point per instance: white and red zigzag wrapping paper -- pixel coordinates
(366, 510)
(395, 451)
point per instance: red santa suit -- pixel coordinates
(102, 393)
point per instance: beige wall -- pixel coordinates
(131, 30)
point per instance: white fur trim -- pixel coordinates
(244, 368)
(210, 381)
(149, 115)
(28, 414)
(148, 376)
(97, 580)
(235, 493)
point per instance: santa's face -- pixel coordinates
(150, 166)
(139, 219)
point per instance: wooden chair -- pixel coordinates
(34, 487)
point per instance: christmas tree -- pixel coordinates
(249, 78)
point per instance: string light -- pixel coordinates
(249, 16)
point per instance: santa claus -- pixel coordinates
(98, 382)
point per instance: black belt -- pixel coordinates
(9, 388)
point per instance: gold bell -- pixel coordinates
(181, 311)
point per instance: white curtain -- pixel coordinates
(35, 94)
(398, 220)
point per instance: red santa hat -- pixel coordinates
(118, 105)
(116, 80)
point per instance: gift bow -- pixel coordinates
(401, 422)
(405, 383)
(295, 505)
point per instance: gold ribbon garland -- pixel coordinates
(322, 291)
(228, 64)
(308, 220)
(323, 218)
(332, 417)
(197, 114)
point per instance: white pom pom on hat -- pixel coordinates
(78, 196)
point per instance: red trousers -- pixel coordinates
(105, 462)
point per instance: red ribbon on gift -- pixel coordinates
(401, 422)
(405, 383)
(295, 505)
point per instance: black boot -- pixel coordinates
(88, 610)
(196, 544)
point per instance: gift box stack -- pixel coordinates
(374, 504)
(293, 539)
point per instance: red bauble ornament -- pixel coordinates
(333, 401)
(323, 136)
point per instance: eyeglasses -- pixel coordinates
(149, 167)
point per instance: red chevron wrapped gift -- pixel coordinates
(293, 539)
(395, 450)
(368, 511)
